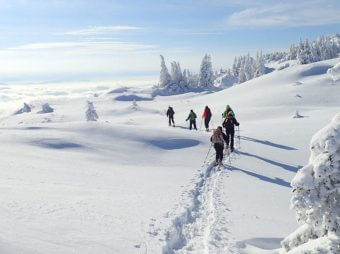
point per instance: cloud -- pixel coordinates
(99, 30)
(84, 46)
(287, 14)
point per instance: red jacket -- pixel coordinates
(207, 113)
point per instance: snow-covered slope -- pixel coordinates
(128, 183)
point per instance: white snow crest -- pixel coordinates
(316, 197)
(334, 72)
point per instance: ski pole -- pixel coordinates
(212, 123)
(206, 157)
(239, 137)
(201, 124)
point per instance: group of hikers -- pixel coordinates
(219, 137)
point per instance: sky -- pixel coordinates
(60, 40)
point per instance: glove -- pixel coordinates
(237, 124)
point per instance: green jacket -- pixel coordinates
(192, 116)
(224, 114)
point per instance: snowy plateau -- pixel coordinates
(94, 168)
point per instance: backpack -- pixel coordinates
(217, 138)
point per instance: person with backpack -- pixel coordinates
(170, 114)
(218, 139)
(229, 123)
(207, 116)
(226, 112)
(192, 117)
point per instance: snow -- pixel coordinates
(128, 183)
(334, 72)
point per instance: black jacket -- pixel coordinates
(229, 123)
(170, 112)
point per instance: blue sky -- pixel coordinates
(109, 39)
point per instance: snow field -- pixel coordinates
(128, 183)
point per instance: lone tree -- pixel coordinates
(91, 113)
(316, 196)
(164, 77)
(206, 76)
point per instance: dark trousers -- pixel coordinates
(230, 138)
(219, 151)
(171, 120)
(193, 122)
(206, 122)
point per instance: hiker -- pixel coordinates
(207, 116)
(226, 112)
(192, 117)
(229, 123)
(218, 139)
(170, 114)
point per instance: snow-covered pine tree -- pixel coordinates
(292, 55)
(316, 197)
(260, 68)
(249, 67)
(236, 66)
(206, 76)
(176, 73)
(164, 77)
(304, 55)
(192, 79)
(91, 113)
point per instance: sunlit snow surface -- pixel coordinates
(128, 183)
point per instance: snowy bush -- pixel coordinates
(46, 108)
(25, 109)
(91, 114)
(297, 115)
(334, 72)
(316, 197)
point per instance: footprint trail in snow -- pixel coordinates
(203, 227)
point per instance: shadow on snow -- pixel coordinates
(174, 143)
(56, 144)
(275, 180)
(266, 142)
(275, 163)
(133, 97)
(316, 70)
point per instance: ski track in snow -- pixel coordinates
(203, 227)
